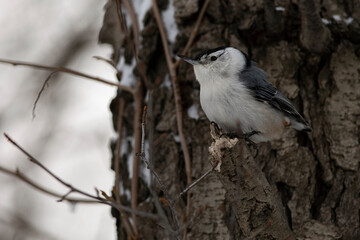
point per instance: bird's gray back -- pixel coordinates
(255, 80)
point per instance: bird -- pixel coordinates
(236, 95)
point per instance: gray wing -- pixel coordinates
(256, 81)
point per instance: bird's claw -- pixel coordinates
(215, 130)
(230, 135)
(249, 142)
(215, 125)
(250, 134)
(252, 144)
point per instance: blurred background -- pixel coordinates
(72, 128)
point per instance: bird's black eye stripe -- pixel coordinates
(213, 58)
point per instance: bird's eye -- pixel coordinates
(213, 58)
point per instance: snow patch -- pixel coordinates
(130, 164)
(280, 9)
(125, 192)
(166, 83)
(325, 21)
(141, 7)
(130, 155)
(193, 112)
(128, 194)
(348, 20)
(127, 78)
(337, 17)
(147, 97)
(114, 138)
(169, 22)
(176, 138)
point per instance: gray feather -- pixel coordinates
(255, 80)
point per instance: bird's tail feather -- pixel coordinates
(300, 126)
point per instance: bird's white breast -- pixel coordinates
(226, 101)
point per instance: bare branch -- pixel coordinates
(195, 183)
(41, 91)
(178, 106)
(194, 31)
(162, 215)
(135, 25)
(23, 178)
(138, 98)
(69, 71)
(134, 49)
(109, 61)
(65, 196)
(121, 107)
(32, 159)
(100, 200)
(154, 173)
(177, 96)
(127, 225)
(143, 122)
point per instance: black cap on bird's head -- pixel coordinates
(197, 59)
(208, 56)
(208, 52)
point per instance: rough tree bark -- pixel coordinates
(310, 182)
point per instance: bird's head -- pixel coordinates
(218, 63)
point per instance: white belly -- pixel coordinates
(232, 108)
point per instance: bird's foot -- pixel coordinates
(231, 135)
(215, 131)
(246, 136)
(254, 145)
(250, 143)
(217, 128)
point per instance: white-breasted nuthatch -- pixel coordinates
(234, 94)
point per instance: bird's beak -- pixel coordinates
(189, 60)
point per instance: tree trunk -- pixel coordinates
(304, 186)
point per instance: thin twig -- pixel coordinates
(143, 157)
(121, 107)
(65, 196)
(69, 71)
(100, 199)
(177, 96)
(162, 215)
(138, 98)
(32, 159)
(143, 122)
(154, 173)
(194, 183)
(40, 92)
(134, 49)
(161, 212)
(109, 61)
(25, 179)
(135, 25)
(194, 31)
(127, 225)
